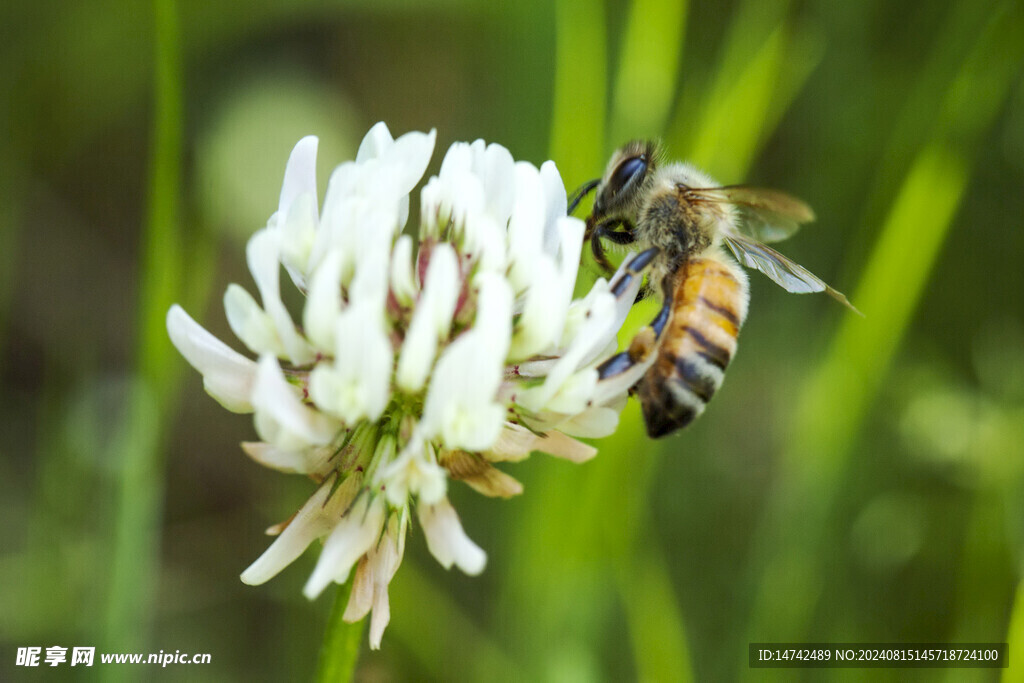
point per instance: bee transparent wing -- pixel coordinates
(790, 275)
(767, 215)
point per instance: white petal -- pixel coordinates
(263, 254)
(600, 316)
(410, 157)
(228, 376)
(282, 412)
(594, 423)
(353, 536)
(250, 323)
(543, 315)
(375, 571)
(299, 174)
(298, 236)
(358, 383)
(497, 170)
(296, 213)
(323, 305)
(555, 206)
(313, 460)
(375, 142)
(526, 225)
(403, 286)
(414, 472)
(431, 320)
(447, 541)
(461, 402)
(575, 393)
(315, 519)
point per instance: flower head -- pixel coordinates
(417, 361)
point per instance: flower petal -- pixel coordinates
(282, 419)
(517, 442)
(250, 323)
(447, 541)
(473, 469)
(315, 460)
(313, 520)
(353, 536)
(431, 320)
(263, 255)
(228, 376)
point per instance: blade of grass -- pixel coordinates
(836, 397)
(661, 648)
(135, 564)
(649, 61)
(578, 117)
(1015, 638)
(458, 650)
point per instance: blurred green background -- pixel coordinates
(854, 480)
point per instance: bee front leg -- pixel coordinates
(599, 256)
(607, 230)
(644, 343)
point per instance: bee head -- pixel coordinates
(628, 172)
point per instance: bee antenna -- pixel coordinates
(581, 192)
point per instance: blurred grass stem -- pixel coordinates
(135, 562)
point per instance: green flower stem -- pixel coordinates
(339, 653)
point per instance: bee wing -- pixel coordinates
(785, 272)
(768, 215)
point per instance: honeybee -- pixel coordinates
(685, 222)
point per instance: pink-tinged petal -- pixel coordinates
(228, 376)
(517, 442)
(561, 446)
(314, 520)
(447, 541)
(474, 470)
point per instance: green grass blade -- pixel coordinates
(649, 61)
(835, 399)
(135, 563)
(578, 118)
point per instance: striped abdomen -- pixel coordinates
(708, 306)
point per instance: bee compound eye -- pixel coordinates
(629, 171)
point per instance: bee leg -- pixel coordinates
(645, 341)
(645, 292)
(607, 229)
(581, 192)
(599, 256)
(625, 236)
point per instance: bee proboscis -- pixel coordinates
(685, 222)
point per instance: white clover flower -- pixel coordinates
(415, 363)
